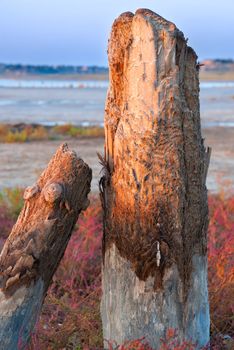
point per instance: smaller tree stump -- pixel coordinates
(37, 243)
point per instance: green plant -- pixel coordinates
(12, 198)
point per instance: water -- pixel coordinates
(50, 102)
(52, 84)
(52, 105)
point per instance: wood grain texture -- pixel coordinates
(37, 243)
(154, 193)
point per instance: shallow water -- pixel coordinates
(47, 106)
(83, 102)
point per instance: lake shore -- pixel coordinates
(21, 163)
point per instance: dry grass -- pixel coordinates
(216, 76)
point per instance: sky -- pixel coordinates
(76, 31)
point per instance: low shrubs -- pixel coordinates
(22, 133)
(70, 317)
(11, 199)
(27, 133)
(75, 131)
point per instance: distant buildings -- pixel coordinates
(220, 65)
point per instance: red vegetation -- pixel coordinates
(221, 264)
(70, 318)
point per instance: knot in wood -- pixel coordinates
(53, 192)
(30, 191)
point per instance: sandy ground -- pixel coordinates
(216, 76)
(221, 170)
(20, 164)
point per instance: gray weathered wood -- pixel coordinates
(153, 191)
(37, 243)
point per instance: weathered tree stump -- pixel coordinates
(153, 191)
(37, 243)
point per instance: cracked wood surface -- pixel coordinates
(154, 193)
(37, 243)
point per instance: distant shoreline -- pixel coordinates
(210, 70)
(204, 76)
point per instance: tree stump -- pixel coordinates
(37, 243)
(153, 190)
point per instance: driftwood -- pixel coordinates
(153, 191)
(37, 243)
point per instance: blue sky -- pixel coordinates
(76, 31)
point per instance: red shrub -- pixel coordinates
(171, 342)
(137, 344)
(70, 316)
(221, 264)
(78, 277)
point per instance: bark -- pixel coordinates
(37, 243)
(153, 190)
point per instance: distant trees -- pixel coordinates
(49, 69)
